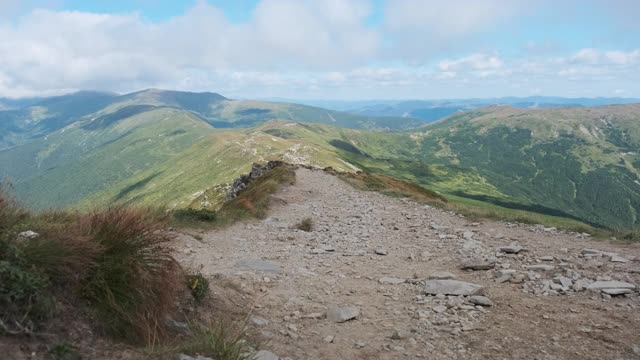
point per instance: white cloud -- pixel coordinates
(301, 48)
(53, 51)
(472, 62)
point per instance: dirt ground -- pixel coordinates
(374, 252)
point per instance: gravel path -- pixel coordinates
(370, 255)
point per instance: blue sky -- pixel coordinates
(323, 49)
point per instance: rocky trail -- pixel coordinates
(386, 278)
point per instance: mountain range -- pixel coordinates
(432, 110)
(180, 149)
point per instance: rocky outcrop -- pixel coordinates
(257, 170)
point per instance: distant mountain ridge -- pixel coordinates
(432, 110)
(33, 118)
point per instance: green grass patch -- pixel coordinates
(219, 340)
(198, 286)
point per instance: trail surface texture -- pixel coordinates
(373, 280)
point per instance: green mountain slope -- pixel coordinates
(37, 118)
(68, 165)
(579, 163)
(574, 162)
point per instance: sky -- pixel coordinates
(323, 49)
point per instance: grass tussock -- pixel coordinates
(219, 340)
(305, 225)
(134, 280)
(113, 259)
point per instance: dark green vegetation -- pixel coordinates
(305, 224)
(199, 286)
(159, 148)
(574, 163)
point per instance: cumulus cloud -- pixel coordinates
(53, 51)
(301, 48)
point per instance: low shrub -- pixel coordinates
(204, 215)
(25, 298)
(64, 351)
(305, 225)
(198, 286)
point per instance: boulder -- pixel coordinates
(452, 287)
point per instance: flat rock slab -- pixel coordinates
(258, 265)
(511, 249)
(540, 267)
(441, 275)
(618, 259)
(614, 292)
(390, 280)
(452, 287)
(265, 355)
(478, 265)
(600, 285)
(341, 314)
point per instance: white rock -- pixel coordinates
(28, 235)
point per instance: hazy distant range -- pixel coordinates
(432, 110)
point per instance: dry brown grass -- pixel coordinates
(135, 281)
